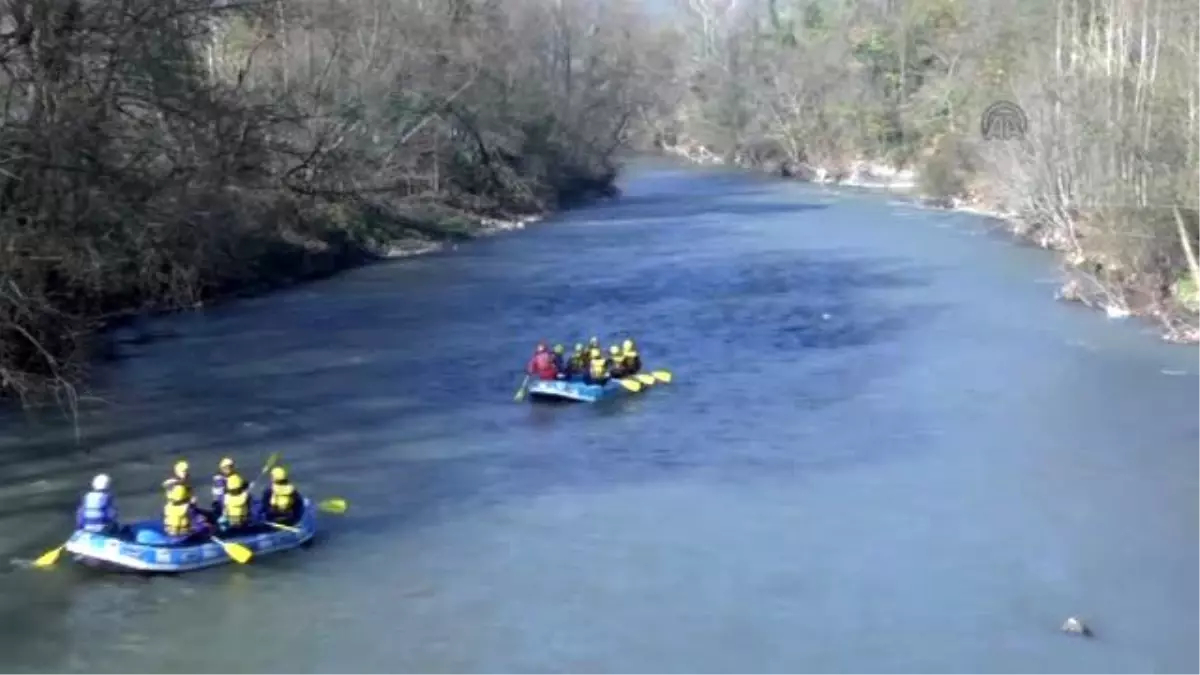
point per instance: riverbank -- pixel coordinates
(296, 260)
(1177, 316)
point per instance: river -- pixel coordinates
(885, 449)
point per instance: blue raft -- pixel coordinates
(144, 547)
(574, 390)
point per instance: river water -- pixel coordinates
(885, 448)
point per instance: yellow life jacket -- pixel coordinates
(177, 518)
(631, 361)
(236, 508)
(598, 368)
(282, 495)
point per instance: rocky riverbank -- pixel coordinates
(1177, 316)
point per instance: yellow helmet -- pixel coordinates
(181, 468)
(225, 463)
(627, 345)
(235, 482)
(278, 473)
(578, 347)
(614, 350)
(177, 493)
(558, 349)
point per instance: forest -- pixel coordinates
(158, 154)
(161, 154)
(1107, 170)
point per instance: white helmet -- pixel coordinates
(100, 482)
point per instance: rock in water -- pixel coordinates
(1076, 626)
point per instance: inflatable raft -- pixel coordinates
(143, 547)
(574, 390)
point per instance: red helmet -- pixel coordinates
(541, 347)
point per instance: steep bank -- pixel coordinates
(239, 147)
(1120, 297)
(1078, 123)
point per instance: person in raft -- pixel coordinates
(615, 367)
(598, 368)
(282, 502)
(98, 509)
(631, 363)
(542, 365)
(182, 521)
(179, 476)
(577, 363)
(220, 481)
(237, 506)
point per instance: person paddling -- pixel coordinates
(631, 362)
(98, 510)
(614, 362)
(220, 481)
(577, 363)
(597, 368)
(237, 506)
(281, 500)
(179, 476)
(560, 361)
(181, 519)
(541, 365)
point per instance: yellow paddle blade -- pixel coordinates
(645, 378)
(281, 526)
(239, 553)
(521, 390)
(333, 505)
(631, 385)
(662, 375)
(271, 461)
(48, 558)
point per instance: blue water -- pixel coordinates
(885, 449)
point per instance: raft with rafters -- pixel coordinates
(142, 546)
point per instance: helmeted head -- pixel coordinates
(279, 474)
(235, 483)
(225, 466)
(594, 341)
(181, 469)
(101, 482)
(177, 493)
(541, 347)
(558, 349)
(627, 345)
(614, 350)
(578, 347)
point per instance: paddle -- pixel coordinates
(521, 390)
(662, 375)
(631, 385)
(645, 378)
(239, 553)
(50, 557)
(281, 526)
(333, 505)
(272, 460)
